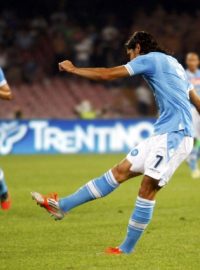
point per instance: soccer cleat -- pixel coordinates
(113, 251)
(196, 174)
(5, 201)
(50, 203)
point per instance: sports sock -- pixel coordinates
(193, 159)
(3, 187)
(94, 189)
(139, 220)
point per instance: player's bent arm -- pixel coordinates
(5, 92)
(105, 74)
(195, 99)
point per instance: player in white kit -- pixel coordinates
(193, 75)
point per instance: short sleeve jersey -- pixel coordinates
(169, 83)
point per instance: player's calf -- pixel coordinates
(94, 189)
(98, 187)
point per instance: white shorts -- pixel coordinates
(196, 123)
(160, 155)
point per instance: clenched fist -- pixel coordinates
(66, 66)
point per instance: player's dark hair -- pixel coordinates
(147, 43)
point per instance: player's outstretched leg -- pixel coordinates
(140, 217)
(4, 196)
(94, 189)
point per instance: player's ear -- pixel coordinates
(138, 48)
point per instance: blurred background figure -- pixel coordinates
(193, 73)
(144, 98)
(86, 111)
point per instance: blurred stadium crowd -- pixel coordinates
(30, 50)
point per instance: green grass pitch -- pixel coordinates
(30, 239)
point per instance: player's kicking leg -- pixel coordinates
(94, 189)
(4, 195)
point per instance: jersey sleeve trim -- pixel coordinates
(190, 87)
(3, 82)
(129, 69)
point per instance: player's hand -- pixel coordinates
(66, 66)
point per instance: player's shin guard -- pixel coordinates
(3, 187)
(94, 189)
(138, 222)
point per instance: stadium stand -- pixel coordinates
(30, 50)
(58, 98)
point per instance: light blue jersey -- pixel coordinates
(2, 78)
(170, 86)
(194, 78)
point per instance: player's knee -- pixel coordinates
(148, 189)
(145, 192)
(120, 173)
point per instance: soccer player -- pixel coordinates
(193, 74)
(5, 93)
(157, 157)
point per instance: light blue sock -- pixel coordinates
(94, 189)
(3, 187)
(138, 222)
(193, 159)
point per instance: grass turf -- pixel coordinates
(30, 239)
